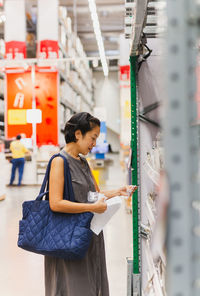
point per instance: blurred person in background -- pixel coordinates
(18, 159)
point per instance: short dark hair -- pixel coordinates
(18, 137)
(82, 121)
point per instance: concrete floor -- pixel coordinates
(21, 272)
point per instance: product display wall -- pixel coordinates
(150, 91)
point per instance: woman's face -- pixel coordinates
(88, 141)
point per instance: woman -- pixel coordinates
(88, 276)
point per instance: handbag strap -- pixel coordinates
(68, 193)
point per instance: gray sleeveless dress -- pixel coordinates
(88, 276)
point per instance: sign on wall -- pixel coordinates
(15, 29)
(125, 95)
(47, 32)
(46, 90)
(19, 101)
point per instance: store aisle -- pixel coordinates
(21, 272)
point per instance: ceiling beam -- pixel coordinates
(114, 53)
(103, 30)
(106, 34)
(83, 9)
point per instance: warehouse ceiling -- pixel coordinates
(111, 18)
(111, 15)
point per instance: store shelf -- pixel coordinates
(1, 110)
(61, 47)
(74, 87)
(74, 50)
(77, 69)
(1, 120)
(68, 105)
(1, 126)
(61, 22)
(139, 19)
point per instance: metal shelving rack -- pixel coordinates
(182, 150)
(181, 141)
(136, 276)
(74, 88)
(134, 284)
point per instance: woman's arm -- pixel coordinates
(110, 193)
(56, 188)
(122, 191)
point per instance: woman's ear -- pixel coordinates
(78, 134)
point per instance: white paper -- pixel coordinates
(100, 220)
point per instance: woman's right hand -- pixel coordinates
(100, 206)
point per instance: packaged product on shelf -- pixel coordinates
(68, 23)
(78, 103)
(152, 173)
(68, 114)
(68, 45)
(1, 106)
(62, 11)
(81, 86)
(74, 77)
(61, 116)
(89, 95)
(73, 38)
(79, 46)
(71, 52)
(2, 47)
(77, 64)
(151, 210)
(62, 37)
(153, 274)
(67, 70)
(30, 39)
(74, 99)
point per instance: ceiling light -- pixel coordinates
(97, 31)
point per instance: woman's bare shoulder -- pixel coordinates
(57, 162)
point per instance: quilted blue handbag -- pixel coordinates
(51, 233)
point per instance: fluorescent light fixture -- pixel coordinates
(97, 31)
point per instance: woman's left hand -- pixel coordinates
(127, 190)
(122, 191)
